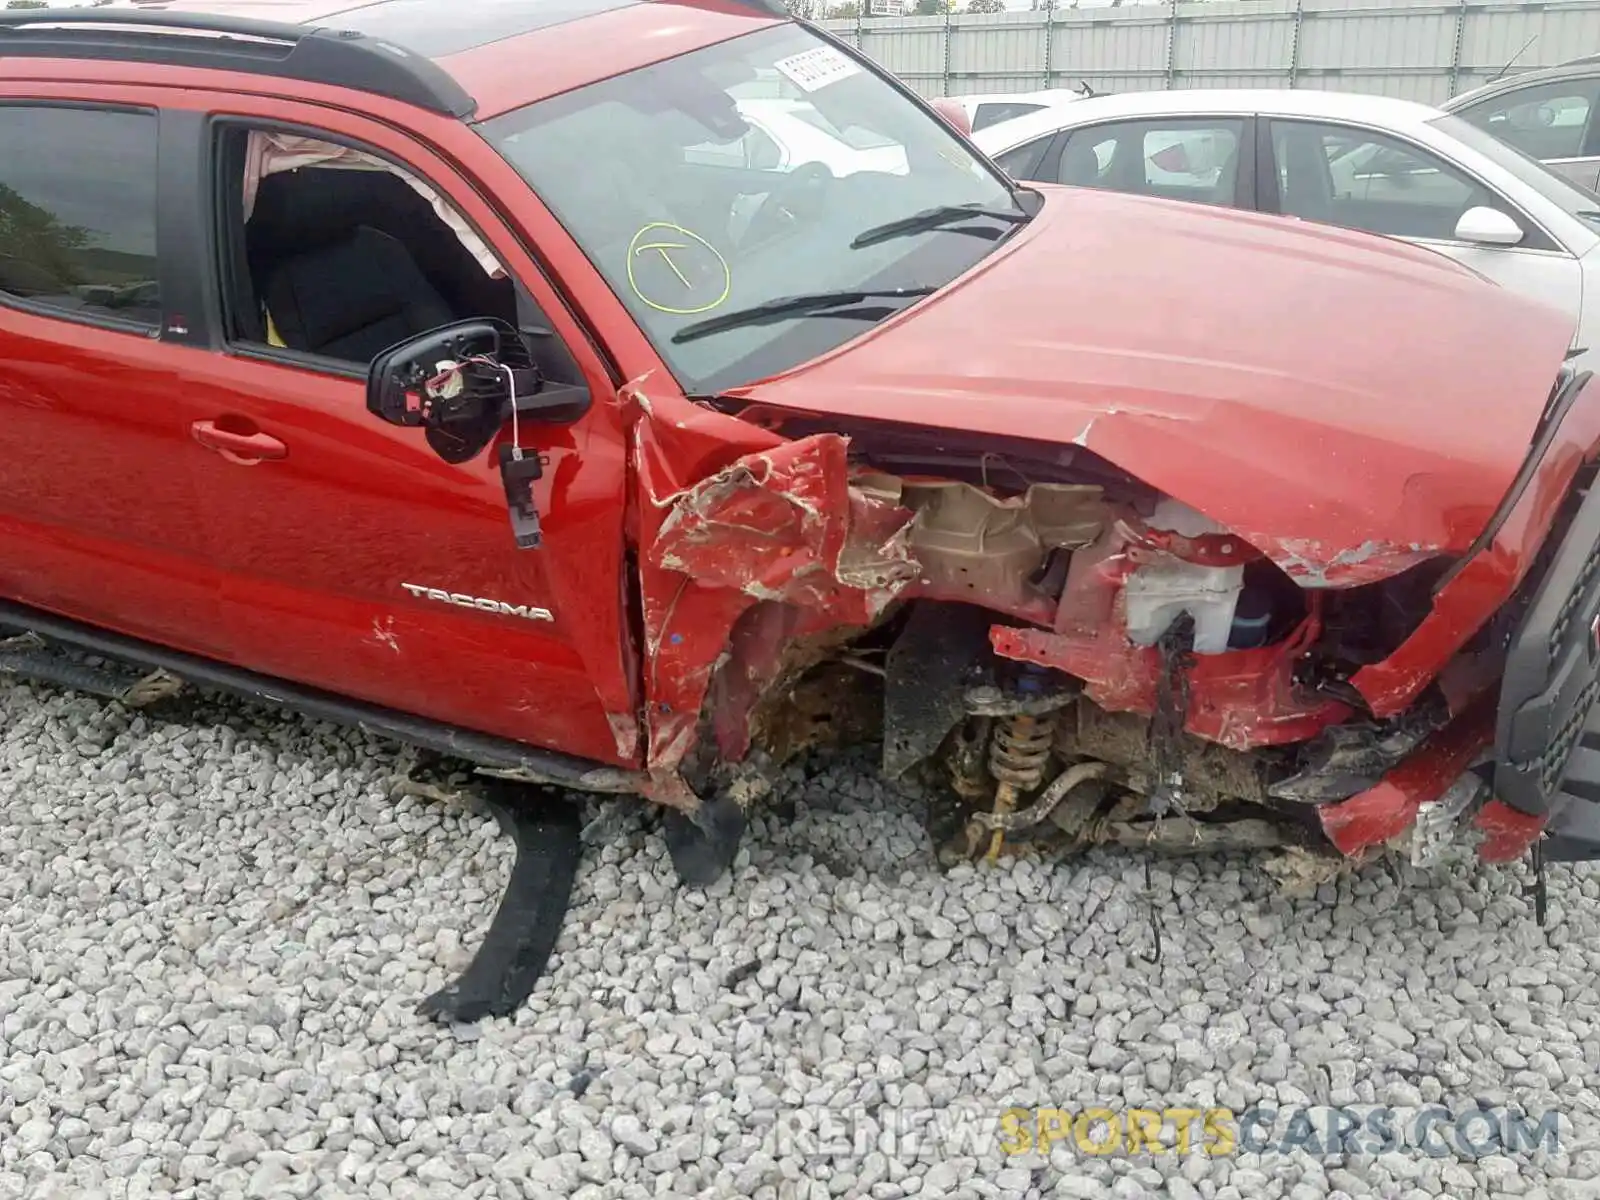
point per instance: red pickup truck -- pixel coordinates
(491, 376)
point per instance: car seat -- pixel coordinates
(1080, 165)
(350, 297)
(1226, 189)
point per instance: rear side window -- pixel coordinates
(78, 211)
(1343, 175)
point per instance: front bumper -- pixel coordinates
(1547, 729)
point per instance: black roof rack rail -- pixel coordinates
(305, 53)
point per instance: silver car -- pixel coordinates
(1551, 114)
(1386, 166)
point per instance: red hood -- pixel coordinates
(1348, 403)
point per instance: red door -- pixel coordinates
(99, 518)
(356, 560)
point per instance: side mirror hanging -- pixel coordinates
(453, 382)
(460, 383)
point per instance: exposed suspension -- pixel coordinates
(1018, 755)
(1020, 751)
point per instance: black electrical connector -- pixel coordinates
(518, 470)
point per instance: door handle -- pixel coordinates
(246, 449)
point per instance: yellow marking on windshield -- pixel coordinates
(679, 248)
(663, 247)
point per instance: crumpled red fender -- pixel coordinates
(731, 515)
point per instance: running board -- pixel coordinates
(547, 830)
(29, 656)
(525, 762)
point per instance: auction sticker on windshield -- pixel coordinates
(816, 68)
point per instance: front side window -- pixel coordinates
(720, 252)
(78, 211)
(1342, 175)
(333, 251)
(1547, 121)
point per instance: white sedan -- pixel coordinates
(984, 109)
(784, 134)
(1372, 163)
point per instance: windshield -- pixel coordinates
(736, 178)
(1575, 199)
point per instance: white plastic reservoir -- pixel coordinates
(1157, 594)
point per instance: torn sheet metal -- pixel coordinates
(1316, 565)
(1243, 699)
(1309, 439)
(1506, 833)
(1479, 588)
(731, 515)
(769, 648)
(783, 524)
(1389, 808)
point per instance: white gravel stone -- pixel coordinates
(215, 923)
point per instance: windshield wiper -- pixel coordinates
(934, 218)
(828, 304)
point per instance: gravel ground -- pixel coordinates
(213, 936)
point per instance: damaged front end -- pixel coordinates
(1067, 654)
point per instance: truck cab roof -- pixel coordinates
(467, 61)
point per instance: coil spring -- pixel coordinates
(1020, 750)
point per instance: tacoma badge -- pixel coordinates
(528, 611)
